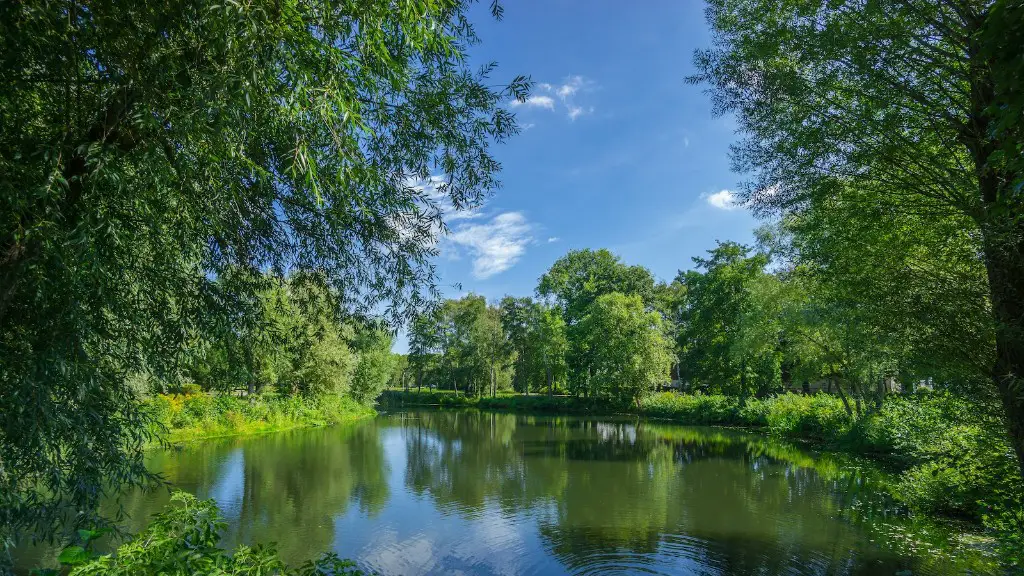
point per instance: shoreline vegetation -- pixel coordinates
(189, 417)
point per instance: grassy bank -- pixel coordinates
(186, 417)
(947, 461)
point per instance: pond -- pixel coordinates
(442, 492)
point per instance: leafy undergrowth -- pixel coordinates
(181, 418)
(183, 539)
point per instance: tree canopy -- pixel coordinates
(904, 111)
(149, 150)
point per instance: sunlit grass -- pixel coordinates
(183, 418)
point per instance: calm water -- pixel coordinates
(479, 493)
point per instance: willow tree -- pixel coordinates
(916, 102)
(145, 148)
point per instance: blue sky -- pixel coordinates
(618, 151)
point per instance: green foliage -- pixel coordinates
(888, 136)
(536, 334)
(375, 365)
(150, 151)
(461, 345)
(726, 342)
(573, 284)
(629, 351)
(577, 279)
(178, 418)
(183, 540)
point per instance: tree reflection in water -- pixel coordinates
(489, 493)
(636, 495)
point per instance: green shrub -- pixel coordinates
(821, 416)
(183, 539)
(693, 408)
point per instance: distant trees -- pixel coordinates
(573, 283)
(297, 342)
(461, 343)
(714, 352)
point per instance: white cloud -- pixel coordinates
(545, 95)
(576, 111)
(553, 239)
(495, 245)
(724, 200)
(537, 101)
(686, 142)
(571, 85)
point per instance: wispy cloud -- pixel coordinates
(536, 101)
(496, 245)
(553, 239)
(577, 111)
(723, 200)
(560, 97)
(433, 194)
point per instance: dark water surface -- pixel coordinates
(435, 492)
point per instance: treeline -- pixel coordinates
(293, 338)
(743, 322)
(594, 338)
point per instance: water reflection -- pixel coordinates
(485, 493)
(637, 496)
(286, 488)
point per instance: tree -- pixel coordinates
(374, 366)
(493, 347)
(125, 194)
(399, 372)
(424, 339)
(914, 103)
(711, 319)
(519, 318)
(553, 346)
(577, 279)
(574, 282)
(631, 353)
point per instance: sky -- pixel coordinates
(617, 151)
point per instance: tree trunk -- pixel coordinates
(550, 381)
(842, 395)
(743, 383)
(1006, 282)
(1001, 229)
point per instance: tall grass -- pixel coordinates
(184, 417)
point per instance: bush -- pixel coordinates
(694, 408)
(183, 539)
(821, 417)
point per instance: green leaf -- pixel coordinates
(73, 556)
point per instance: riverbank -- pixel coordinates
(946, 461)
(189, 417)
